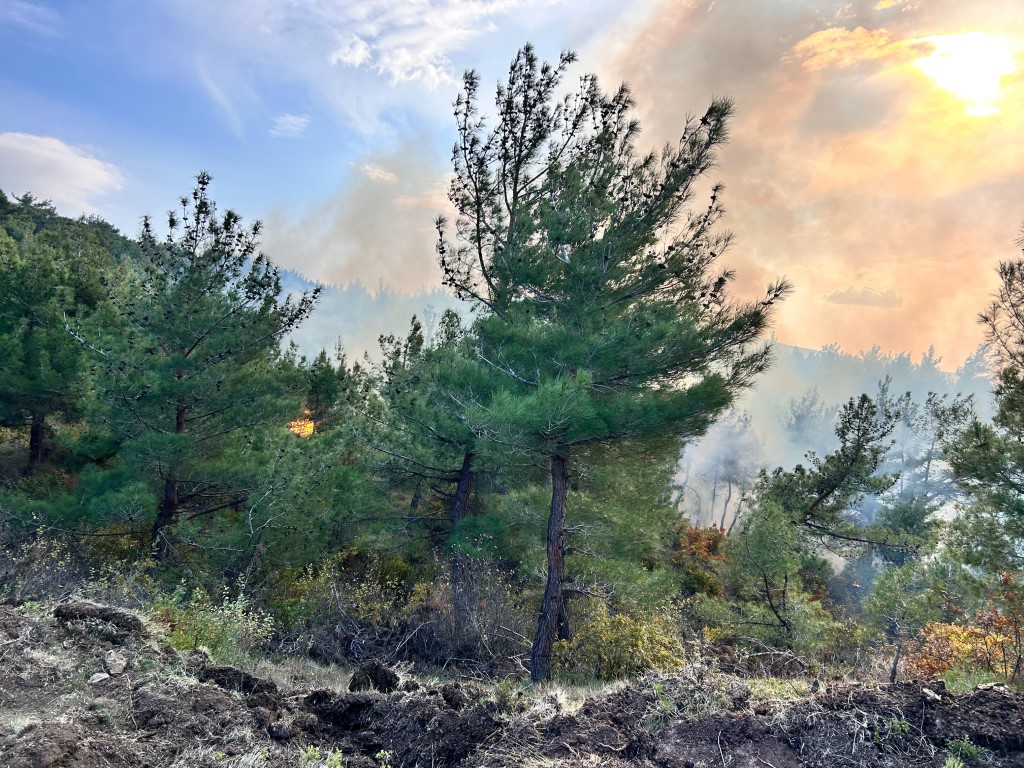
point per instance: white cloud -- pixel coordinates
(408, 41)
(31, 16)
(340, 50)
(354, 53)
(71, 177)
(287, 126)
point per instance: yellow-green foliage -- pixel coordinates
(610, 645)
(368, 587)
(312, 757)
(232, 630)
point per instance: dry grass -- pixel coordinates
(291, 673)
(769, 689)
(567, 698)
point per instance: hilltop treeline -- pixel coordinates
(499, 495)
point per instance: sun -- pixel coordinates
(970, 66)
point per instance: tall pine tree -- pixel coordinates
(600, 301)
(194, 366)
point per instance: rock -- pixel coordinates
(1002, 687)
(99, 677)
(375, 676)
(115, 662)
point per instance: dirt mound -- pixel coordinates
(64, 704)
(233, 679)
(54, 744)
(905, 724)
(736, 740)
(102, 620)
(435, 726)
(374, 676)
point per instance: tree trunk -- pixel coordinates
(725, 507)
(714, 495)
(735, 517)
(460, 508)
(551, 607)
(35, 443)
(169, 505)
(165, 515)
(564, 627)
(894, 670)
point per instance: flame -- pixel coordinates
(301, 427)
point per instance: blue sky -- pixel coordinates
(280, 100)
(875, 158)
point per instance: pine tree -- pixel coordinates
(49, 274)
(987, 459)
(324, 384)
(427, 441)
(599, 298)
(194, 367)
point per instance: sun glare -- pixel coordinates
(971, 67)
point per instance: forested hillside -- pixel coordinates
(599, 467)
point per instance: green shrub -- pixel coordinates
(233, 630)
(609, 646)
(312, 757)
(366, 586)
(966, 751)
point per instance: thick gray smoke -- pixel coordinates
(791, 410)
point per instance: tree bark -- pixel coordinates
(895, 668)
(725, 507)
(551, 607)
(169, 505)
(460, 508)
(35, 443)
(714, 495)
(736, 517)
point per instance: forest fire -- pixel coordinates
(303, 427)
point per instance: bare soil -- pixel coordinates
(63, 702)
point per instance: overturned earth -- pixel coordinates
(89, 685)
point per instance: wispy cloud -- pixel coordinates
(71, 177)
(378, 174)
(222, 98)
(838, 47)
(411, 41)
(354, 53)
(34, 17)
(339, 51)
(288, 126)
